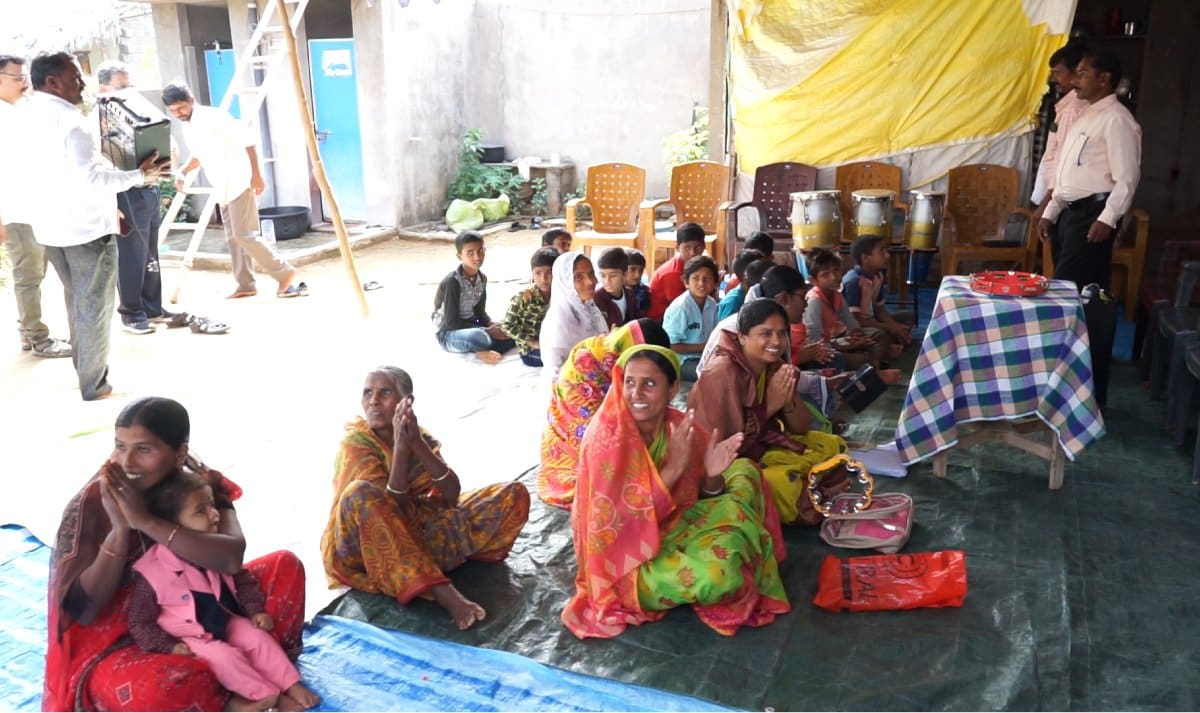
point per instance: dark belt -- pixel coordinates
(1082, 202)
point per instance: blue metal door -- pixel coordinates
(218, 68)
(335, 111)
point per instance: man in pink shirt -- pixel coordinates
(1097, 173)
(1066, 110)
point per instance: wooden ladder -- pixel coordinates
(265, 50)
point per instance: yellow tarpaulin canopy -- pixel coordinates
(826, 82)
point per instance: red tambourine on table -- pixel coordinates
(1008, 283)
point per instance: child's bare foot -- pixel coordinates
(299, 693)
(238, 703)
(895, 350)
(891, 377)
(489, 357)
(287, 703)
(463, 611)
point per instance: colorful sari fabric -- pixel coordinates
(731, 399)
(642, 549)
(575, 397)
(98, 667)
(402, 546)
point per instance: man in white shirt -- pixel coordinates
(1066, 110)
(77, 222)
(220, 145)
(28, 258)
(1097, 173)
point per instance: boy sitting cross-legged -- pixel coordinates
(528, 308)
(862, 288)
(460, 306)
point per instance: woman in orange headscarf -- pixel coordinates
(665, 515)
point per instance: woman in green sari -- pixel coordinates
(666, 515)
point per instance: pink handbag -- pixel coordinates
(884, 524)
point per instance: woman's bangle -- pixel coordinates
(109, 552)
(443, 476)
(393, 491)
(715, 491)
(171, 536)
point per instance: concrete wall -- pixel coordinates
(414, 103)
(597, 82)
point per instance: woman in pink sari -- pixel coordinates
(665, 515)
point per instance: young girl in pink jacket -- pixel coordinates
(177, 607)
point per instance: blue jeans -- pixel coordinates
(474, 339)
(533, 358)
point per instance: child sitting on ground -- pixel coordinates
(736, 297)
(528, 308)
(614, 299)
(692, 316)
(862, 288)
(633, 279)
(557, 238)
(765, 244)
(178, 607)
(460, 306)
(827, 316)
(667, 282)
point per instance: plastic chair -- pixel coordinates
(851, 177)
(1192, 359)
(980, 198)
(698, 190)
(1177, 327)
(774, 185)
(614, 192)
(1159, 292)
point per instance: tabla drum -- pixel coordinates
(872, 211)
(816, 220)
(925, 219)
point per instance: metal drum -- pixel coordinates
(816, 220)
(925, 219)
(873, 211)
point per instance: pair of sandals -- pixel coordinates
(198, 325)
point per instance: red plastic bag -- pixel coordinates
(891, 582)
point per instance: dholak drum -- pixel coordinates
(925, 219)
(873, 211)
(816, 220)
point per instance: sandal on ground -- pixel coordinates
(202, 325)
(371, 285)
(297, 290)
(52, 348)
(173, 320)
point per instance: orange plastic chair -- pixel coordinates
(980, 199)
(613, 193)
(1128, 261)
(852, 177)
(774, 185)
(698, 189)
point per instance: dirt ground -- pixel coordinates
(268, 400)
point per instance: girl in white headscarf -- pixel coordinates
(572, 316)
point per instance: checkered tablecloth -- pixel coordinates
(988, 358)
